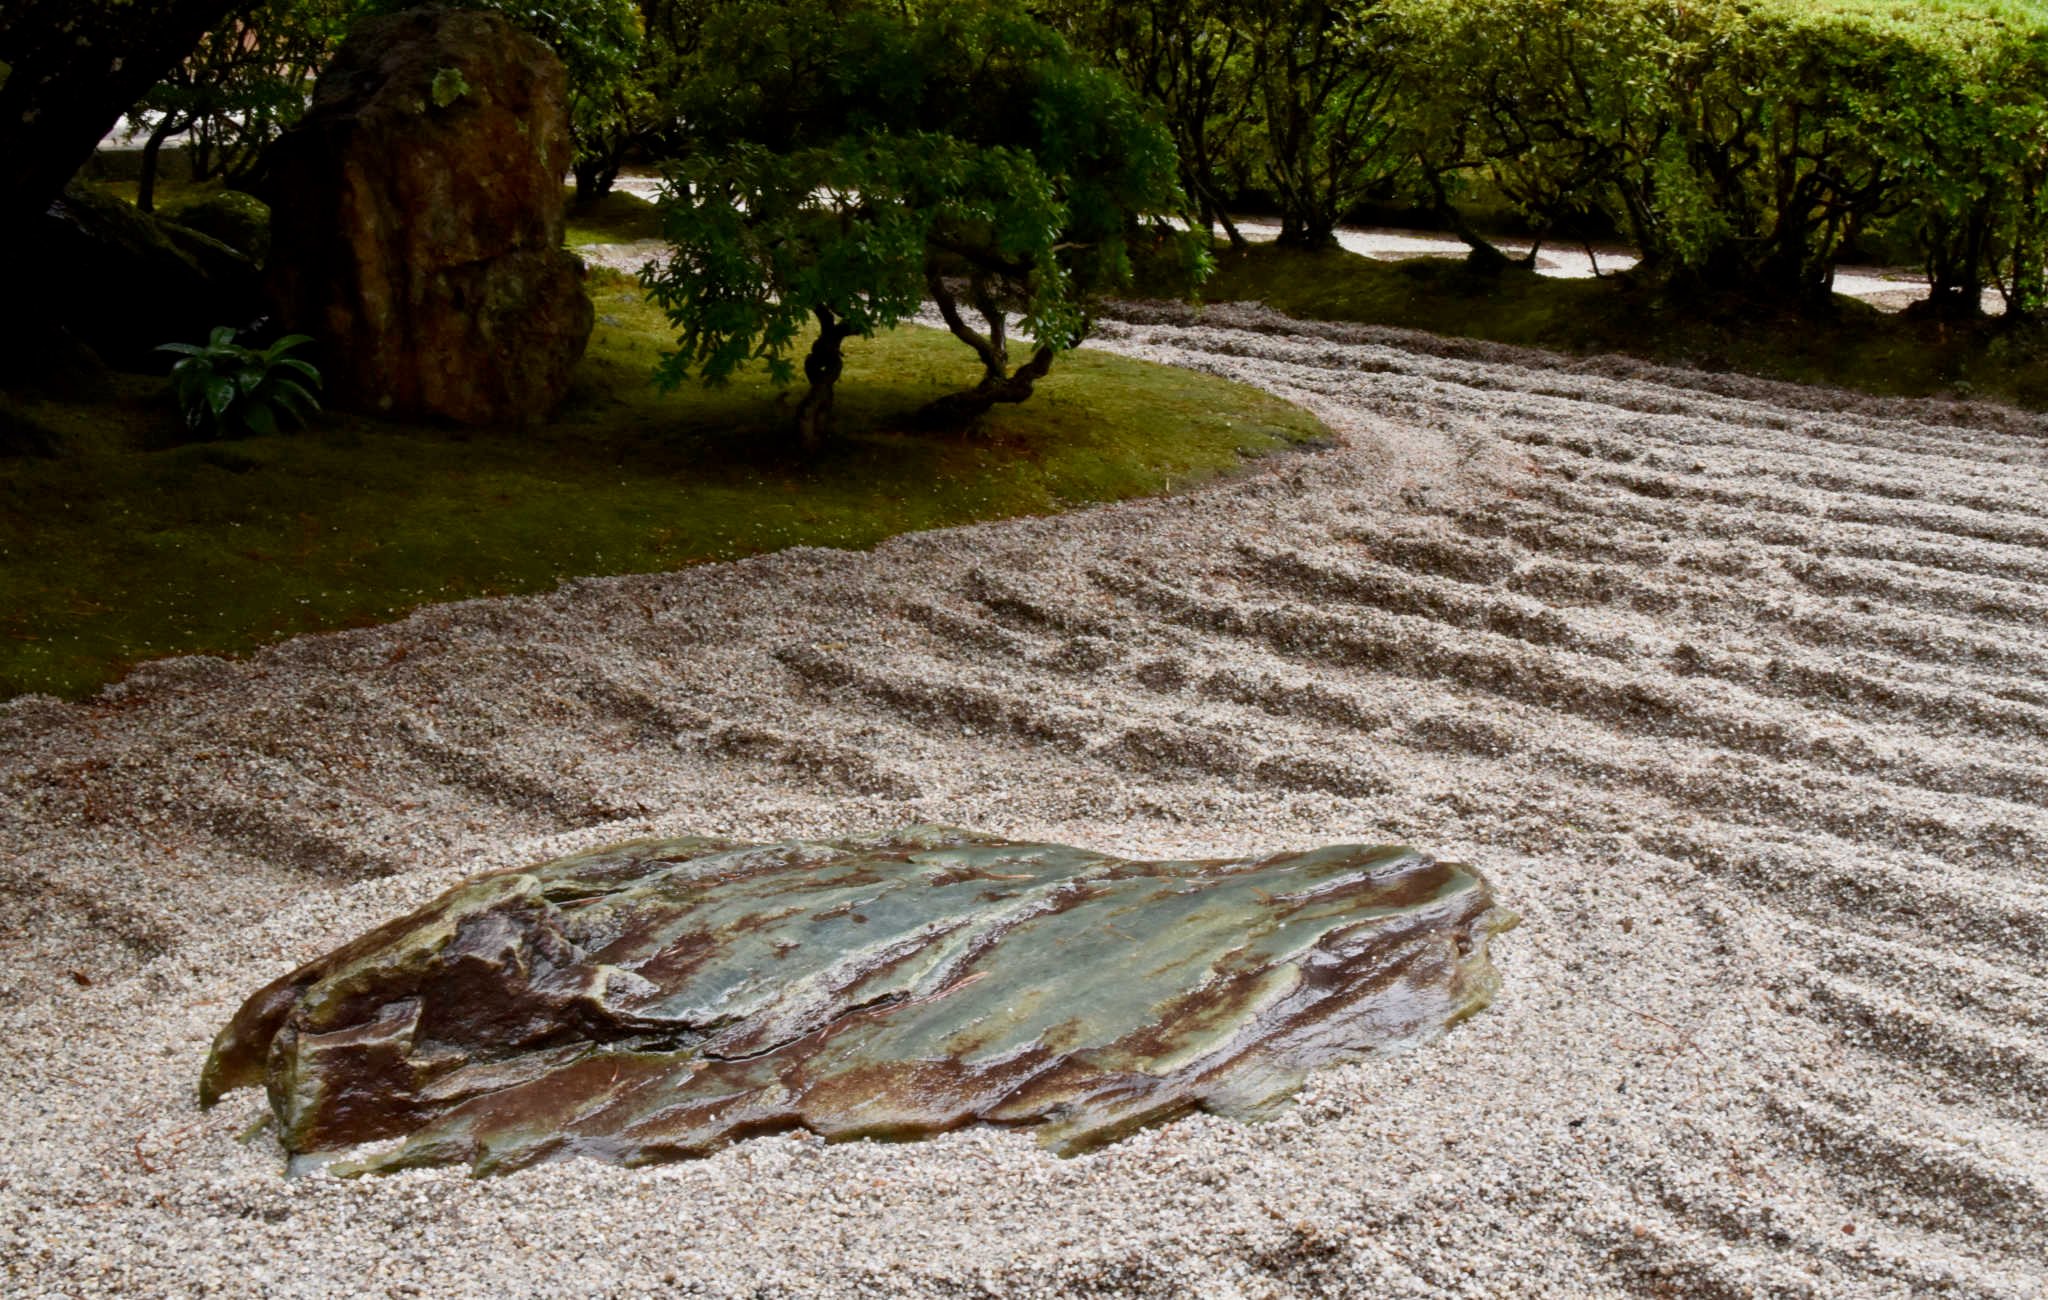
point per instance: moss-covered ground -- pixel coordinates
(131, 545)
(1855, 346)
(616, 218)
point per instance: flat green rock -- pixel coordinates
(655, 1000)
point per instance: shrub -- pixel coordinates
(1327, 77)
(1978, 172)
(224, 388)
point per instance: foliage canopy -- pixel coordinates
(852, 160)
(1739, 144)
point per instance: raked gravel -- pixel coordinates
(1737, 692)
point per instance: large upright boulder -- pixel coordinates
(417, 222)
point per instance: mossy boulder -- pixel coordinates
(660, 998)
(122, 282)
(418, 222)
(241, 221)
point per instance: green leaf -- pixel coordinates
(259, 419)
(298, 417)
(295, 397)
(302, 367)
(220, 394)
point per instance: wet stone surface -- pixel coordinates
(654, 1000)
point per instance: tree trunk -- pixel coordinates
(1787, 274)
(957, 411)
(822, 367)
(1955, 268)
(1485, 256)
(152, 149)
(73, 67)
(594, 176)
(999, 384)
(1211, 212)
(1237, 240)
(1307, 231)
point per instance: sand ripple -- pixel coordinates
(1735, 690)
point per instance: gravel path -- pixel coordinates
(1734, 690)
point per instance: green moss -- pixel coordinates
(448, 86)
(241, 221)
(1859, 347)
(124, 548)
(170, 191)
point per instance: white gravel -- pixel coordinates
(1734, 690)
(1888, 288)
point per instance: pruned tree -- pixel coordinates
(640, 110)
(1973, 152)
(999, 227)
(1192, 61)
(762, 244)
(1328, 77)
(1776, 150)
(854, 158)
(1550, 101)
(1739, 145)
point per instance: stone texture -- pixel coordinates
(657, 999)
(418, 222)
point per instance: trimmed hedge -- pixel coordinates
(1739, 145)
(1747, 145)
